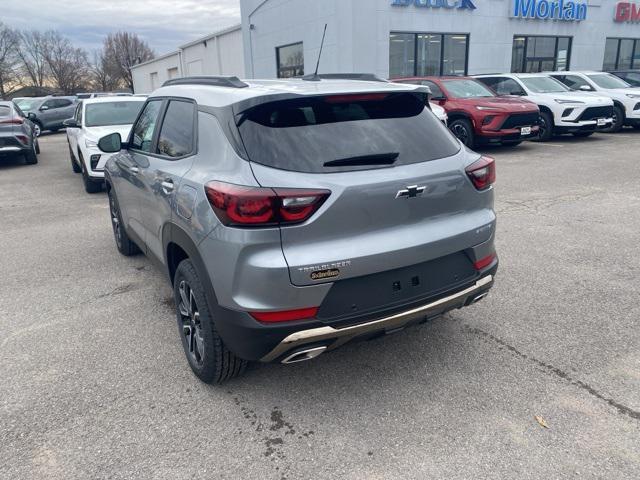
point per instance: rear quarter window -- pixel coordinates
(307, 134)
(5, 111)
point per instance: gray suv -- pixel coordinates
(293, 216)
(48, 113)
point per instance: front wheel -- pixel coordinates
(618, 120)
(74, 165)
(206, 353)
(37, 129)
(545, 121)
(463, 131)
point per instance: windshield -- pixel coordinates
(466, 89)
(27, 103)
(345, 132)
(604, 80)
(543, 85)
(111, 113)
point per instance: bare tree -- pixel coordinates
(104, 73)
(125, 50)
(68, 65)
(9, 45)
(33, 46)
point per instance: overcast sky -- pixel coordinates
(165, 24)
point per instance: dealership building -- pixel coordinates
(399, 38)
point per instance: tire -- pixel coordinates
(74, 165)
(37, 145)
(37, 128)
(583, 134)
(90, 186)
(125, 245)
(463, 131)
(618, 120)
(30, 157)
(206, 353)
(546, 127)
(511, 144)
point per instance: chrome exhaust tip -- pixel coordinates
(304, 355)
(477, 298)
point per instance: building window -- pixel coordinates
(621, 53)
(424, 54)
(290, 60)
(540, 54)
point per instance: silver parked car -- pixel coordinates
(293, 216)
(17, 133)
(48, 113)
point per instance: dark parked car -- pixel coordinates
(632, 77)
(48, 112)
(17, 133)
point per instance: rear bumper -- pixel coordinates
(256, 341)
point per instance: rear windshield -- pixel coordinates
(345, 132)
(5, 110)
(111, 113)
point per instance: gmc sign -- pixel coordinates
(627, 12)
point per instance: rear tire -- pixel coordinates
(30, 157)
(546, 127)
(124, 244)
(463, 130)
(37, 128)
(206, 353)
(37, 145)
(583, 134)
(618, 120)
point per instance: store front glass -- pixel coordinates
(621, 53)
(424, 54)
(540, 54)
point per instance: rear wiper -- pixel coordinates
(378, 159)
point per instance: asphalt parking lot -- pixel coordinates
(94, 383)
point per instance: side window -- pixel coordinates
(436, 92)
(50, 104)
(78, 114)
(573, 82)
(176, 134)
(142, 132)
(63, 102)
(507, 86)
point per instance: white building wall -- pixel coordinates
(216, 54)
(358, 32)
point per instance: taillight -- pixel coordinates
(23, 139)
(242, 206)
(482, 173)
(285, 316)
(13, 121)
(484, 262)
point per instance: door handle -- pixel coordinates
(167, 186)
(134, 170)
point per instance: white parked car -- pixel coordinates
(93, 119)
(626, 98)
(439, 112)
(561, 110)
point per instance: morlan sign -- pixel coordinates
(566, 10)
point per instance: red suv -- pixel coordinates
(477, 116)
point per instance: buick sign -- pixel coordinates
(449, 4)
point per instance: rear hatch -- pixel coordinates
(399, 198)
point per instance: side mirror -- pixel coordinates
(31, 116)
(44, 108)
(111, 143)
(70, 123)
(585, 88)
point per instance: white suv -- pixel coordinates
(626, 99)
(561, 110)
(93, 119)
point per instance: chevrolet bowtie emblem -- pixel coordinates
(411, 192)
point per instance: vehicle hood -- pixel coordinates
(589, 98)
(96, 133)
(508, 104)
(622, 91)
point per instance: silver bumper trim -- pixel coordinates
(10, 149)
(340, 336)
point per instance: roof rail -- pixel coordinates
(213, 81)
(366, 77)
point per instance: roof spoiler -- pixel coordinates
(212, 81)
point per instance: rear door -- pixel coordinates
(164, 167)
(399, 192)
(74, 133)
